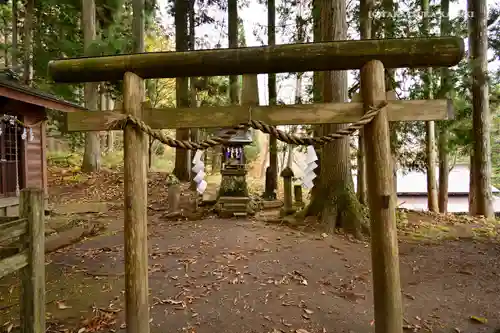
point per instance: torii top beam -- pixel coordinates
(337, 55)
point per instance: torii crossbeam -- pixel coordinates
(368, 55)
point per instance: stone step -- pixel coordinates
(233, 207)
(240, 214)
(227, 202)
(234, 199)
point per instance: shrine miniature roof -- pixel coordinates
(241, 136)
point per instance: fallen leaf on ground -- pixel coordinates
(409, 296)
(301, 330)
(62, 306)
(479, 319)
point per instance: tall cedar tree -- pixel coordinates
(430, 133)
(181, 170)
(333, 199)
(365, 7)
(443, 132)
(481, 118)
(92, 154)
(271, 83)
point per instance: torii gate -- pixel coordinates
(368, 55)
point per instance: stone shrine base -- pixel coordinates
(233, 193)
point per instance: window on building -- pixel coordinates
(10, 157)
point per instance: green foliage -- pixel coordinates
(58, 35)
(252, 150)
(64, 159)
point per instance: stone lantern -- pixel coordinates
(233, 193)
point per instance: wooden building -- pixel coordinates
(23, 143)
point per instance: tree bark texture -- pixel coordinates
(14, 53)
(334, 199)
(389, 32)
(138, 25)
(481, 118)
(430, 131)
(443, 132)
(92, 153)
(271, 83)
(181, 169)
(365, 33)
(110, 105)
(232, 13)
(193, 101)
(472, 186)
(28, 42)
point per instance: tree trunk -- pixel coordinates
(102, 107)
(15, 33)
(264, 150)
(92, 154)
(443, 171)
(110, 105)
(430, 132)
(481, 122)
(472, 186)
(216, 159)
(182, 169)
(365, 33)
(193, 102)
(334, 200)
(232, 13)
(6, 50)
(443, 132)
(271, 82)
(301, 35)
(389, 31)
(28, 42)
(151, 142)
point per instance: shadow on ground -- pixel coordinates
(244, 276)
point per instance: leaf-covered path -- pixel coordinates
(244, 276)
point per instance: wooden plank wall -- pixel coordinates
(34, 161)
(35, 171)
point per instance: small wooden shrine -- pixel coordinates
(233, 193)
(23, 140)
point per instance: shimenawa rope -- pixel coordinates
(256, 124)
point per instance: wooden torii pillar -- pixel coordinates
(368, 55)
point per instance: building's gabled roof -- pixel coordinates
(11, 88)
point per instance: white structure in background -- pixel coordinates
(412, 190)
(199, 170)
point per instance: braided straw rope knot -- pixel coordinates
(256, 124)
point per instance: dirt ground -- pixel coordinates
(214, 275)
